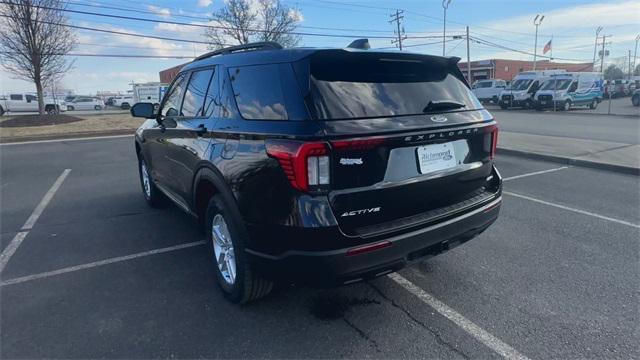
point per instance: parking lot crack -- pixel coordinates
(436, 334)
(362, 334)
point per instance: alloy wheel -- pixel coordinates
(146, 183)
(223, 249)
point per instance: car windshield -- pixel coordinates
(556, 84)
(521, 84)
(484, 84)
(374, 85)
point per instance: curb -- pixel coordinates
(572, 113)
(10, 140)
(572, 161)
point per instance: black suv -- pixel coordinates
(320, 166)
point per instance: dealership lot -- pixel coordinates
(101, 275)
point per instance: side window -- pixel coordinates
(171, 106)
(30, 98)
(16, 97)
(212, 100)
(195, 94)
(228, 109)
(534, 87)
(258, 92)
(573, 87)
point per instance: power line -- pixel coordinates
(492, 44)
(125, 56)
(203, 18)
(218, 26)
(123, 33)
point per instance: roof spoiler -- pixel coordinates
(265, 45)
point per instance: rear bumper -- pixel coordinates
(336, 267)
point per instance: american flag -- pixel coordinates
(547, 47)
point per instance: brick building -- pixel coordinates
(167, 75)
(507, 69)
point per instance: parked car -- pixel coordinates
(85, 103)
(635, 98)
(25, 102)
(489, 90)
(564, 91)
(123, 102)
(320, 166)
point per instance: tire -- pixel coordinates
(97, 107)
(594, 104)
(503, 106)
(51, 110)
(227, 238)
(124, 106)
(70, 108)
(566, 106)
(154, 197)
(634, 100)
(526, 104)
(1, 111)
(494, 99)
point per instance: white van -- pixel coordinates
(149, 92)
(488, 90)
(563, 91)
(523, 87)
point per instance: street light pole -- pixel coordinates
(595, 48)
(537, 21)
(445, 5)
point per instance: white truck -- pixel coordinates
(149, 92)
(523, 87)
(488, 90)
(28, 102)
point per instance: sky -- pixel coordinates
(505, 23)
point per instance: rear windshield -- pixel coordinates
(345, 85)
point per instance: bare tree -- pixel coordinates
(34, 41)
(245, 21)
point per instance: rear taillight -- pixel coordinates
(305, 164)
(491, 140)
(494, 142)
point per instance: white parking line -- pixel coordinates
(559, 206)
(67, 139)
(8, 252)
(100, 263)
(467, 325)
(535, 173)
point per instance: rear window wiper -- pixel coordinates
(442, 105)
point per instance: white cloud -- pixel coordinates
(162, 12)
(204, 3)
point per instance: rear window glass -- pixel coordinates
(484, 84)
(258, 92)
(347, 85)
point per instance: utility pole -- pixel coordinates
(604, 38)
(537, 21)
(629, 65)
(635, 53)
(397, 18)
(468, 59)
(445, 6)
(595, 48)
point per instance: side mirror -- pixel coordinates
(143, 110)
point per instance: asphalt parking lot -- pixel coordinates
(98, 274)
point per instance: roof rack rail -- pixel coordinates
(265, 45)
